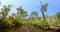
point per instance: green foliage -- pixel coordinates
(34, 14)
(1, 20)
(10, 22)
(3, 24)
(42, 23)
(16, 22)
(21, 12)
(58, 18)
(58, 14)
(19, 19)
(44, 7)
(5, 11)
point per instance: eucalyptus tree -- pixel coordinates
(43, 9)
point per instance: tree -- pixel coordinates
(21, 12)
(57, 23)
(5, 11)
(43, 9)
(34, 14)
(58, 15)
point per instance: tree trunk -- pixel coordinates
(43, 14)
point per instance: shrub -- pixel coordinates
(17, 22)
(42, 23)
(3, 24)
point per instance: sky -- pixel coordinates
(33, 5)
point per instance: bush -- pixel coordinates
(3, 24)
(42, 23)
(18, 23)
(9, 23)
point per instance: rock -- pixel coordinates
(57, 30)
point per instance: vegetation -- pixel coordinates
(20, 19)
(58, 15)
(43, 9)
(21, 12)
(34, 15)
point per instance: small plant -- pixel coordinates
(17, 23)
(44, 23)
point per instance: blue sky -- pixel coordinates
(33, 5)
